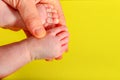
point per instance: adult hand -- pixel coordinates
(29, 14)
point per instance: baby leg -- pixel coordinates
(51, 46)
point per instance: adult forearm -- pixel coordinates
(12, 57)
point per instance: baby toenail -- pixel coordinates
(50, 15)
(56, 21)
(50, 20)
(54, 11)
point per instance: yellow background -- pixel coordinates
(94, 49)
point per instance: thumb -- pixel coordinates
(30, 15)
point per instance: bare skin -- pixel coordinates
(51, 46)
(47, 13)
(32, 48)
(10, 18)
(30, 16)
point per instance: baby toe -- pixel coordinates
(49, 20)
(50, 6)
(55, 15)
(55, 21)
(46, 5)
(49, 10)
(50, 15)
(54, 11)
(57, 30)
(62, 35)
(64, 48)
(64, 41)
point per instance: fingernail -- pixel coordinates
(40, 32)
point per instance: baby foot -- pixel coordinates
(51, 46)
(12, 20)
(52, 15)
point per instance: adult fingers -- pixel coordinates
(30, 15)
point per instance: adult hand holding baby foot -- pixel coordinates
(33, 22)
(51, 46)
(29, 14)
